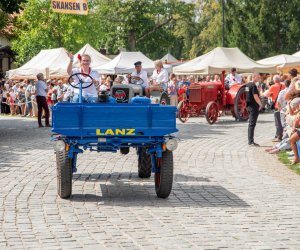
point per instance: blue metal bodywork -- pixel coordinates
(82, 120)
(107, 127)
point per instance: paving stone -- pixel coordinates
(225, 194)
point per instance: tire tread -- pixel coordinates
(64, 174)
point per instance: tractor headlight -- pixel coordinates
(59, 145)
(171, 144)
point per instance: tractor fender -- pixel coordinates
(232, 92)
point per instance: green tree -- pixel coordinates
(210, 22)
(152, 26)
(272, 26)
(38, 27)
(10, 6)
(260, 28)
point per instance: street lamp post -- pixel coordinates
(223, 22)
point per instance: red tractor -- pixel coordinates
(212, 99)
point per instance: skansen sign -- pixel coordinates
(79, 7)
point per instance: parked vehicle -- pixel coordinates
(211, 99)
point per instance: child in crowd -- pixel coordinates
(172, 90)
(11, 102)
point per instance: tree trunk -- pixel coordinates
(132, 40)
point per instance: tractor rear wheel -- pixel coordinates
(183, 112)
(212, 112)
(240, 105)
(144, 164)
(164, 179)
(64, 174)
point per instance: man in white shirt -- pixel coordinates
(139, 76)
(89, 94)
(233, 78)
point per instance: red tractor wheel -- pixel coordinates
(211, 112)
(240, 106)
(183, 111)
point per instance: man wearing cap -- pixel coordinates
(139, 76)
(233, 78)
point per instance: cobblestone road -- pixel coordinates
(225, 194)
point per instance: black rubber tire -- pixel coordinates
(144, 164)
(164, 179)
(124, 151)
(64, 174)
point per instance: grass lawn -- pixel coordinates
(283, 157)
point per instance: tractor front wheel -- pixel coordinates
(211, 112)
(164, 179)
(64, 174)
(183, 111)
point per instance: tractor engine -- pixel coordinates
(123, 93)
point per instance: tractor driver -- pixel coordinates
(89, 94)
(160, 78)
(232, 78)
(139, 76)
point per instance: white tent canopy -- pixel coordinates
(51, 62)
(169, 58)
(282, 61)
(124, 63)
(221, 59)
(186, 67)
(297, 54)
(97, 58)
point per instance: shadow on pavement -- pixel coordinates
(130, 176)
(187, 191)
(18, 137)
(199, 128)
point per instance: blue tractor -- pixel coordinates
(109, 126)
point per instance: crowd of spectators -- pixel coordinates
(279, 93)
(285, 96)
(18, 97)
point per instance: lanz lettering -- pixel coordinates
(123, 131)
(66, 5)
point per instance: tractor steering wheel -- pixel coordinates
(77, 86)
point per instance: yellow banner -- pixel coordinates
(79, 7)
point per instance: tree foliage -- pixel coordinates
(10, 6)
(260, 28)
(151, 26)
(39, 28)
(210, 21)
